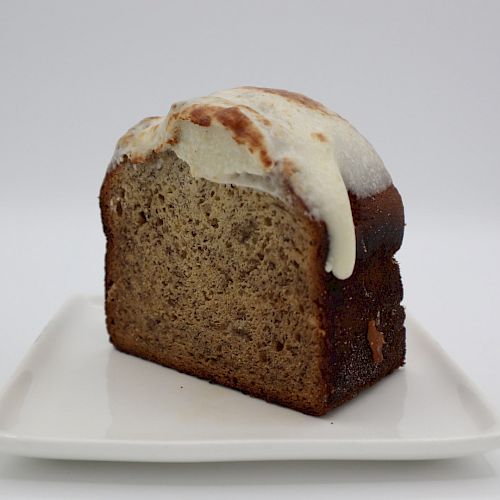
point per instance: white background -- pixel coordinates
(420, 79)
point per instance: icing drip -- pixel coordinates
(257, 138)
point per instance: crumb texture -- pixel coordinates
(213, 280)
(228, 284)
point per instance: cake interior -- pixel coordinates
(215, 280)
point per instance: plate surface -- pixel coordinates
(75, 397)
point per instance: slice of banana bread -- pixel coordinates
(226, 277)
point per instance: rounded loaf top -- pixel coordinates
(259, 137)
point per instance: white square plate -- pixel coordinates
(75, 397)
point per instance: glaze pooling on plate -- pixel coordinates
(261, 138)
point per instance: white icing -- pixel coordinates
(320, 154)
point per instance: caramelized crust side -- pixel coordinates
(370, 297)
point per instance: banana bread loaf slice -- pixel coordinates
(223, 257)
